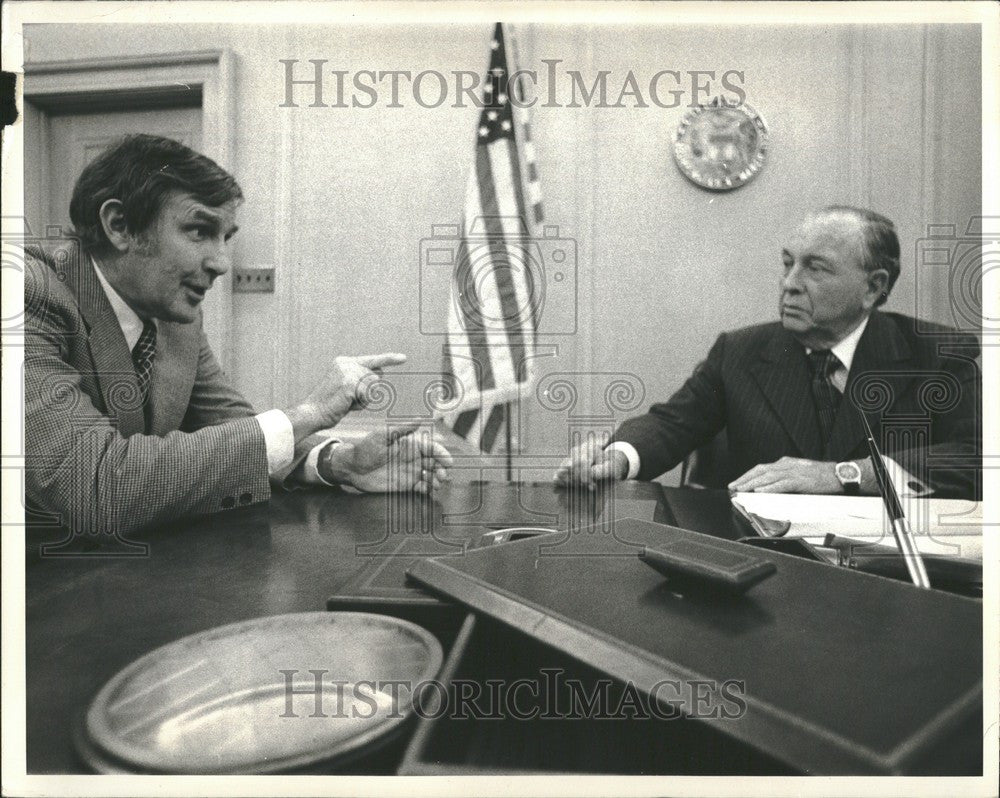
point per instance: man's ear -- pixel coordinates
(878, 284)
(112, 215)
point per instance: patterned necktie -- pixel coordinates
(142, 357)
(823, 364)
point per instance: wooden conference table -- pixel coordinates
(90, 611)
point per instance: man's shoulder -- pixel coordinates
(751, 338)
(926, 338)
(740, 348)
(920, 335)
(49, 273)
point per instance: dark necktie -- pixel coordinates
(142, 358)
(823, 364)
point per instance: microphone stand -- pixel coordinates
(900, 528)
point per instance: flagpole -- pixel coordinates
(508, 37)
(516, 62)
(510, 454)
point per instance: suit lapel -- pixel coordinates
(110, 353)
(174, 370)
(782, 373)
(883, 349)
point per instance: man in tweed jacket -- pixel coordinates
(919, 384)
(128, 418)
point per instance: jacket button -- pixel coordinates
(246, 498)
(228, 503)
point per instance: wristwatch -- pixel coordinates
(849, 474)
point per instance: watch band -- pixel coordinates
(851, 486)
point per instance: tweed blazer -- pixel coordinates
(89, 459)
(919, 383)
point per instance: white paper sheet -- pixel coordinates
(940, 526)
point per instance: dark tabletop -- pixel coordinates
(91, 609)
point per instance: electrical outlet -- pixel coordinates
(253, 281)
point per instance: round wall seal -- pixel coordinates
(720, 146)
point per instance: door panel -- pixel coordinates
(74, 140)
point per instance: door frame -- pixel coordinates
(166, 79)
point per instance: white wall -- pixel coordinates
(339, 199)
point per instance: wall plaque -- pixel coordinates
(720, 146)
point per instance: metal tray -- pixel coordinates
(242, 698)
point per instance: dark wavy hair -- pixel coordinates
(140, 171)
(879, 243)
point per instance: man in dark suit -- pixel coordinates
(789, 394)
(128, 418)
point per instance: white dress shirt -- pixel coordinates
(279, 439)
(905, 483)
(845, 354)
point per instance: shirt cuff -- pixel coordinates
(906, 485)
(310, 468)
(279, 439)
(631, 455)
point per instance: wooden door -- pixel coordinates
(74, 140)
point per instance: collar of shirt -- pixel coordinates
(844, 350)
(128, 319)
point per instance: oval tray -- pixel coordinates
(243, 698)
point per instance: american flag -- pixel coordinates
(495, 298)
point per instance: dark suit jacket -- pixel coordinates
(921, 392)
(89, 460)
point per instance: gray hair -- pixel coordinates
(879, 243)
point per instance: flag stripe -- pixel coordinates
(515, 294)
(515, 174)
(493, 427)
(464, 422)
(529, 302)
(534, 193)
(528, 292)
(472, 311)
(495, 287)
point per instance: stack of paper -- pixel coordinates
(952, 527)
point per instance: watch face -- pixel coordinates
(848, 472)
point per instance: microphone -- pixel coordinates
(900, 528)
